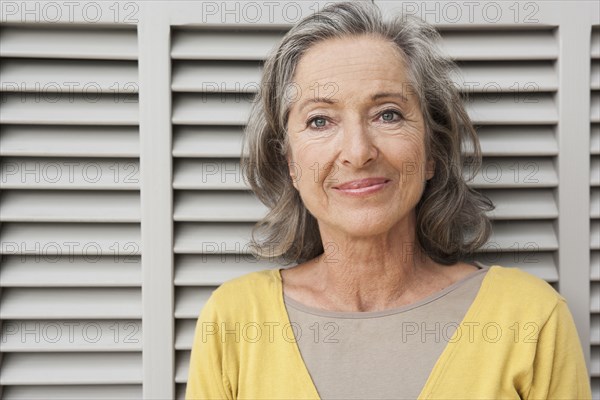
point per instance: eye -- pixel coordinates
(319, 122)
(388, 115)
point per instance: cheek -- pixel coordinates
(299, 165)
(314, 163)
(408, 162)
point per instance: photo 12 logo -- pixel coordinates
(470, 11)
(69, 11)
(70, 332)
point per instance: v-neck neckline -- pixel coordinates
(438, 367)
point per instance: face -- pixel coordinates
(357, 137)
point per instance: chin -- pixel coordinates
(363, 226)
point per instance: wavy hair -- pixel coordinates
(451, 217)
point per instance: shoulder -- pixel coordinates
(519, 282)
(246, 293)
(250, 282)
(519, 292)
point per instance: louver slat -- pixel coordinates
(595, 235)
(69, 141)
(211, 109)
(63, 206)
(595, 363)
(595, 75)
(184, 333)
(594, 332)
(526, 236)
(595, 203)
(207, 141)
(74, 43)
(208, 173)
(522, 204)
(509, 76)
(70, 76)
(500, 45)
(190, 300)
(64, 108)
(209, 76)
(89, 240)
(595, 171)
(71, 368)
(211, 141)
(182, 366)
(506, 140)
(595, 139)
(66, 271)
(539, 263)
(595, 299)
(509, 172)
(71, 303)
(595, 107)
(214, 269)
(217, 206)
(212, 238)
(73, 392)
(71, 336)
(539, 108)
(223, 44)
(68, 173)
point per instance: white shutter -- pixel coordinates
(70, 300)
(215, 74)
(509, 80)
(595, 212)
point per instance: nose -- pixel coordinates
(357, 147)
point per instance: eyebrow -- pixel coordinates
(389, 94)
(316, 100)
(376, 96)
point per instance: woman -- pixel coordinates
(354, 144)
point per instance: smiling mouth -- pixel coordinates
(363, 186)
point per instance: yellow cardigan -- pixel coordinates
(516, 341)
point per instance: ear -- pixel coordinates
(292, 168)
(430, 169)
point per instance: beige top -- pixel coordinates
(380, 354)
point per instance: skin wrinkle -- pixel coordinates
(363, 267)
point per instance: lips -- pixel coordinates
(361, 183)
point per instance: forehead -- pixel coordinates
(356, 66)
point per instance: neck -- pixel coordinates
(372, 273)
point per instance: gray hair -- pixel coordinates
(451, 217)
